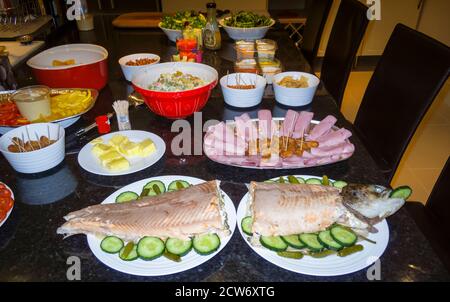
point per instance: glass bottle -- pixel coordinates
(211, 35)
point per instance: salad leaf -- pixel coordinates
(247, 19)
(178, 20)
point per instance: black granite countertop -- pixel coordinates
(30, 249)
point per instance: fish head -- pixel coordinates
(371, 201)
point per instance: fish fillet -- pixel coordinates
(287, 209)
(179, 214)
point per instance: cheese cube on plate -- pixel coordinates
(96, 141)
(119, 164)
(147, 147)
(109, 156)
(118, 140)
(129, 149)
(100, 149)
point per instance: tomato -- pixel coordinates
(5, 193)
(2, 214)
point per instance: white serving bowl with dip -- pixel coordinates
(243, 98)
(295, 97)
(38, 160)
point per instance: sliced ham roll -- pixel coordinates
(333, 150)
(302, 124)
(265, 124)
(293, 161)
(334, 138)
(322, 128)
(289, 123)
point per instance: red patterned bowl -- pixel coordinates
(89, 71)
(178, 104)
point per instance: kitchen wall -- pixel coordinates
(428, 16)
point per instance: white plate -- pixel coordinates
(313, 122)
(160, 266)
(9, 212)
(91, 163)
(328, 266)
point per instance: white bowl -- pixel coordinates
(243, 98)
(295, 97)
(39, 160)
(172, 34)
(250, 33)
(130, 71)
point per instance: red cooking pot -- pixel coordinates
(88, 69)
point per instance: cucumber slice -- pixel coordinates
(281, 180)
(274, 243)
(206, 244)
(340, 184)
(343, 236)
(178, 247)
(149, 248)
(129, 255)
(311, 241)
(177, 185)
(293, 241)
(246, 225)
(325, 180)
(402, 192)
(313, 181)
(153, 187)
(111, 244)
(327, 240)
(301, 180)
(126, 197)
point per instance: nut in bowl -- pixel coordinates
(133, 64)
(34, 148)
(176, 89)
(295, 88)
(243, 90)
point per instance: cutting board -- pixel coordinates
(138, 20)
(19, 52)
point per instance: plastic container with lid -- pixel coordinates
(245, 50)
(33, 102)
(266, 49)
(247, 65)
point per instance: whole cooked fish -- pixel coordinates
(179, 214)
(287, 209)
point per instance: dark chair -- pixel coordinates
(312, 32)
(348, 30)
(434, 218)
(405, 82)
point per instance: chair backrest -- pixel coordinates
(348, 30)
(405, 82)
(438, 202)
(312, 32)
